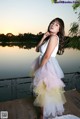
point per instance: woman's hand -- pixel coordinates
(37, 49)
(46, 35)
(41, 42)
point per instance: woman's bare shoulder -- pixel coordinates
(54, 36)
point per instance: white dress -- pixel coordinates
(47, 84)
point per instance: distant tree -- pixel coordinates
(3, 38)
(40, 33)
(74, 30)
(9, 34)
(75, 26)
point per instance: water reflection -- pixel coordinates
(24, 45)
(16, 62)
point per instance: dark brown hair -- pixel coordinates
(60, 34)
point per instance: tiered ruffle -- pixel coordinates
(48, 87)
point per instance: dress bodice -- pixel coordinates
(43, 48)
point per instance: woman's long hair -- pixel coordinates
(60, 35)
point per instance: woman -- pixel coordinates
(47, 83)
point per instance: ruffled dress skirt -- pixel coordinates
(48, 87)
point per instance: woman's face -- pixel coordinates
(54, 27)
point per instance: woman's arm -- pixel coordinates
(41, 41)
(51, 46)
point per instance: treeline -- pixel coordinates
(26, 37)
(28, 40)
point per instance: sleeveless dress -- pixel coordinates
(47, 84)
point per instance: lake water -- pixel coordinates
(16, 62)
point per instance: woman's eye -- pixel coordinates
(56, 24)
(52, 24)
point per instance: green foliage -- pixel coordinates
(73, 42)
(52, 1)
(74, 29)
(79, 17)
(76, 4)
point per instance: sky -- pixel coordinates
(33, 16)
